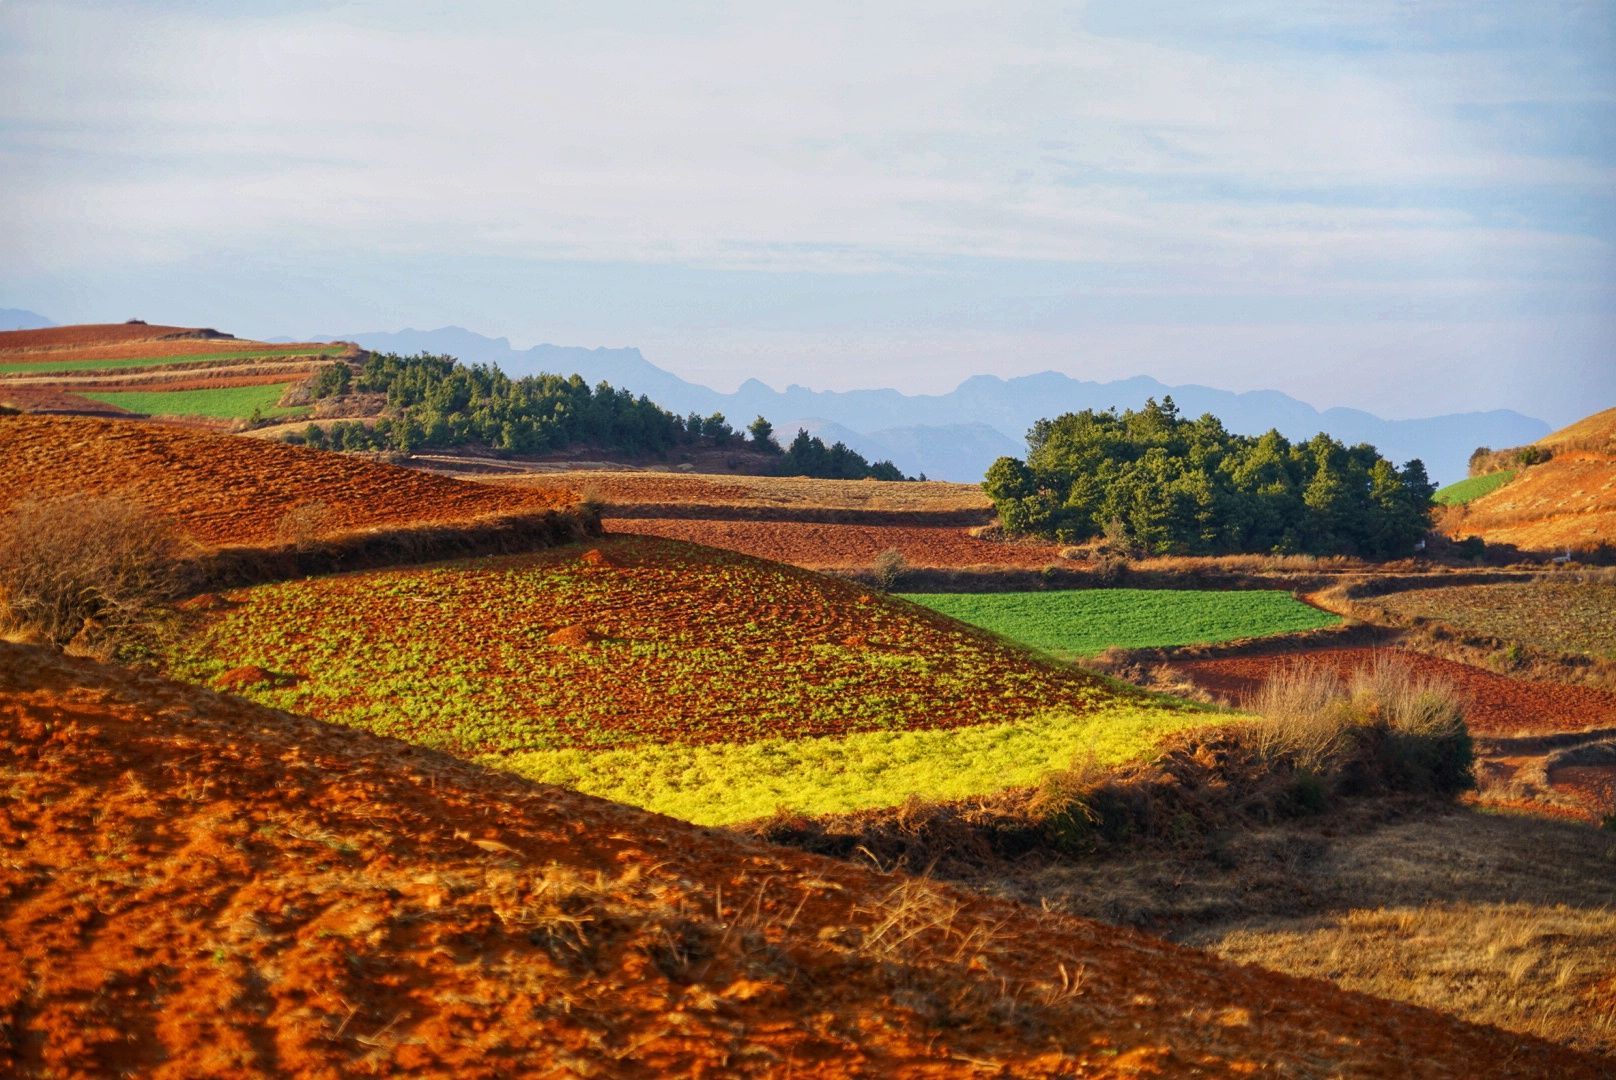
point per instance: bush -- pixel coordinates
(889, 569)
(87, 570)
(1385, 727)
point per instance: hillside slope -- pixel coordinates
(228, 490)
(1568, 502)
(197, 886)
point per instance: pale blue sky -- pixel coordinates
(1409, 208)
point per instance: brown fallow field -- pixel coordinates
(224, 490)
(198, 886)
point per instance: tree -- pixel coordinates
(762, 433)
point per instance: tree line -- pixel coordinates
(1167, 485)
(436, 402)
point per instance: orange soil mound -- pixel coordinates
(845, 547)
(196, 886)
(225, 490)
(92, 334)
(1499, 706)
(1566, 502)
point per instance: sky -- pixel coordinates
(1407, 208)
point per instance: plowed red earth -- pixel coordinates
(839, 547)
(1499, 706)
(225, 490)
(193, 886)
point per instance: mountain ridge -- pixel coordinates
(987, 413)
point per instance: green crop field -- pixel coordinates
(226, 403)
(1081, 622)
(58, 366)
(688, 680)
(1474, 488)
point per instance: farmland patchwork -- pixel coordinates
(661, 672)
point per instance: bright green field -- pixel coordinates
(50, 366)
(226, 403)
(1474, 488)
(1081, 622)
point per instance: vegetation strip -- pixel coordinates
(1082, 622)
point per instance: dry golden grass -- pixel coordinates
(1538, 968)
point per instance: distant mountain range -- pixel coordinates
(18, 319)
(955, 436)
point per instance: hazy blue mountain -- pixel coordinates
(18, 319)
(955, 436)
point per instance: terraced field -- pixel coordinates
(223, 403)
(1081, 622)
(1560, 616)
(688, 680)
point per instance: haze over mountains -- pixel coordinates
(955, 436)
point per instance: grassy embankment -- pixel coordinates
(1071, 624)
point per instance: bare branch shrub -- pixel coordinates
(1308, 717)
(1386, 724)
(889, 569)
(90, 570)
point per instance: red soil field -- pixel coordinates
(197, 886)
(143, 349)
(846, 547)
(225, 490)
(1499, 705)
(644, 642)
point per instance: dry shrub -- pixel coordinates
(1386, 726)
(88, 570)
(889, 569)
(1307, 714)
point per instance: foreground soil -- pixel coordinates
(226, 490)
(196, 886)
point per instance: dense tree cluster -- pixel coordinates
(1177, 486)
(809, 456)
(435, 402)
